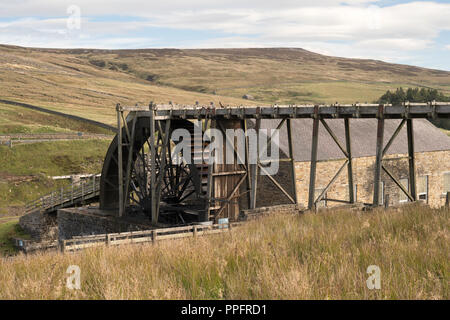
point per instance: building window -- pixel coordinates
(322, 203)
(446, 182)
(422, 188)
(402, 196)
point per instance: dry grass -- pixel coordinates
(313, 256)
(89, 83)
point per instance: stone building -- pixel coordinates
(432, 153)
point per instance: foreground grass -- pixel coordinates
(313, 256)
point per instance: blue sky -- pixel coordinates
(407, 32)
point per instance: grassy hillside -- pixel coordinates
(312, 256)
(89, 83)
(9, 230)
(68, 81)
(15, 119)
(24, 169)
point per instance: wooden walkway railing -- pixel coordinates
(111, 239)
(66, 196)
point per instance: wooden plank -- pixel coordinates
(412, 159)
(312, 173)
(120, 161)
(292, 161)
(348, 144)
(379, 156)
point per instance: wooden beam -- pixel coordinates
(236, 188)
(247, 164)
(379, 156)
(397, 183)
(291, 156)
(152, 142)
(130, 158)
(209, 186)
(334, 137)
(275, 182)
(312, 173)
(394, 135)
(412, 159)
(162, 168)
(348, 144)
(319, 198)
(120, 160)
(254, 169)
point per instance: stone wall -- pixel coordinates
(40, 226)
(430, 164)
(79, 222)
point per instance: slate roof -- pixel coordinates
(363, 132)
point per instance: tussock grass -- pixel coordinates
(312, 256)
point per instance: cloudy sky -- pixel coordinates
(409, 32)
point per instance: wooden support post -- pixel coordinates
(348, 143)
(254, 169)
(195, 231)
(152, 141)
(162, 168)
(291, 156)
(315, 143)
(247, 163)
(120, 160)
(379, 156)
(130, 160)
(447, 199)
(412, 159)
(62, 246)
(210, 183)
(154, 236)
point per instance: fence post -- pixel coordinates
(195, 231)
(386, 201)
(447, 199)
(62, 246)
(108, 239)
(154, 235)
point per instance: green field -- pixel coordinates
(25, 169)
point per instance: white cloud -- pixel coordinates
(357, 29)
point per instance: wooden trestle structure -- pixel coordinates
(140, 175)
